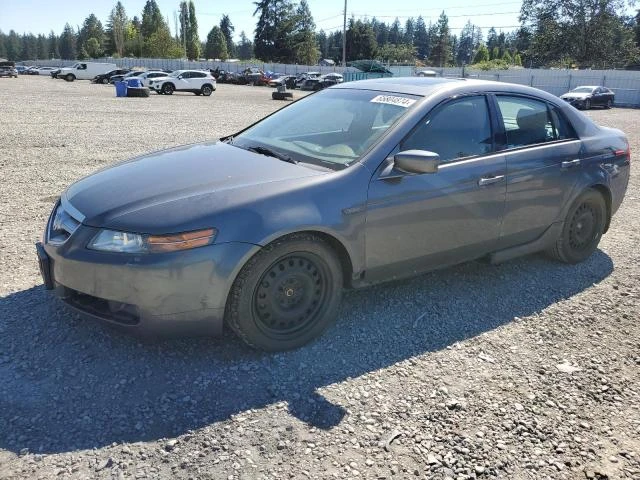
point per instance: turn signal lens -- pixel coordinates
(181, 241)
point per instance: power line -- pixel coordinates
(448, 16)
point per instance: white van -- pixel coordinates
(85, 70)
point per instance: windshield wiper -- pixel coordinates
(271, 153)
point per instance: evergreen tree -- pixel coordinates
(361, 41)
(227, 30)
(42, 48)
(441, 51)
(216, 46)
(494, 54)
(395, 32)
(306, 45)
(193, 41)
(323, 43)
(67, 45)
(273, 34)
(507, 57)
(245, 47)
(13, 46)
(185, 29)
(53, 46)
(482, 55)
(116, 30)
(409, 31)
(3, 48)
(466, 44)
(421, 39)
(152, 20)
(29, 47)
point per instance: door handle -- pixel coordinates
(571, 163)
(489, 180)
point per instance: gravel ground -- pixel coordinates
(525, 370)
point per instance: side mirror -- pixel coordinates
(179, 77)
(417, 161)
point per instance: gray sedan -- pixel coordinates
(358, 184)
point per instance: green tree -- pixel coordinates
(517, 60)
(13, 46)
(227, 30)
(403, 53)
(482, 55)
(152, 20)
(193, 41)
(185, 29)
(494, 54)
(421, 39)
(506, 56)
(116, 30)
(3, 48)
(441, 52)
(67, 45)
(29, 47)
(43, 47)
(53, 46)
(306, 45)
(93, 48)
(245, 47)
(274, 30)
(361, 41)
(216, 46)
(91, 28)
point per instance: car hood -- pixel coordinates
(173, 190)
(580, 96)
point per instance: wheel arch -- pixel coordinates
(606, 194)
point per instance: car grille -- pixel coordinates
(61, 226)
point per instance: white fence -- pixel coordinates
(625, 84)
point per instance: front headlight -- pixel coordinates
(124, 242)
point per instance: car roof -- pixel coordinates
(425, 86)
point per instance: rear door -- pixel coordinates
(417, 222)
(197, 80)
(543, 163)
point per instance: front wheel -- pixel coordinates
(583, 228)
(70, 78)
(168, 89)
(287, 294)
(587, 104)
(105, 81)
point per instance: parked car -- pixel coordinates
(42, 70)
(21, 69)
(85, 70)
(105, 77)
(303, 77)
(361, 183)
(288, 80)
(316, 84)
(54, 73)
(146, 77)
(124, 76)
(589, 96)
(194, 81)
(8, 69)
(338, 78)
(426, 73)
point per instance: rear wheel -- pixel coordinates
(206, 90)
(587, 104)
(583, 228)
(609, 103)
(105, 81)
(287, 294)
(168, 89)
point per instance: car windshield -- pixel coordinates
(582, 90)
(332, 128)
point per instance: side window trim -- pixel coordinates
(443, 104)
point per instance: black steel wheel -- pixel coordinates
(168, 89)
(287, 294)
(583, 228)
(609, 103)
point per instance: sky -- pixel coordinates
(42, 16)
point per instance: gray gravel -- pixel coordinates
(524, 370)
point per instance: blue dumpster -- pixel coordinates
(134, 83)
(121, 89)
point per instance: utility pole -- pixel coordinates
(344, 36)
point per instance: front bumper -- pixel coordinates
(179, 293)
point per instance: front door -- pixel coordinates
(419, 222)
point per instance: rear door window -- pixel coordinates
(526, 121)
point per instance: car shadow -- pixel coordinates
(71, 384)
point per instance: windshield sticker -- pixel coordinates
(393, 100)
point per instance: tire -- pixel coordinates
(168, 89)
(139, 92)
(70, 77)
(206, 90)
(582, 230)
(587, 104)
(609, 104)
(287, 294)
(105, 81)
